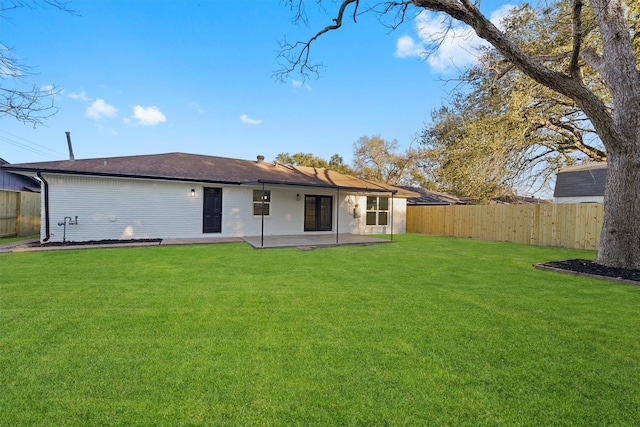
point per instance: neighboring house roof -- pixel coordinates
(428, 197)
(519, 200)
(16, 182)
(581, 180)
(211, 169)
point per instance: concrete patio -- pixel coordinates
(309, 241)
(289, 241)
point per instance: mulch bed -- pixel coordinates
(583, 267)
(97, 242)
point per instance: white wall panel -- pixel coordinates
(119, 208)
(581, 199)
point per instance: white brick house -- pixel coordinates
(179, 195)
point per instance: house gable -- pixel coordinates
(581, 181)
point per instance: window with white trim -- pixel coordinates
(377, 210)
(259, 202)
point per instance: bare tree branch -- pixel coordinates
(300, 60)
(63, 6)
(570, 133)
(30, 105)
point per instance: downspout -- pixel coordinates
(262, 215)
(46, 208)
(338, 216)
(392, 210)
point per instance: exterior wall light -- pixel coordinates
(297, 196)
(193, 192)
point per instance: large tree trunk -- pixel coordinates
(620, 237)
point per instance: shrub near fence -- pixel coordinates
(19, 213)
(565, 225)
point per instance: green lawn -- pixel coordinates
(423, 331)
(4, 240)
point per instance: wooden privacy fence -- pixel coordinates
(565, 225)
(19, 213)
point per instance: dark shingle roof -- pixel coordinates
(428, 197)
(581, 180)
(17, 182)
(200, 168)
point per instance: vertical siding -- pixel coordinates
(120, 208)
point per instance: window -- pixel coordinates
(258, 202)
(377, 210)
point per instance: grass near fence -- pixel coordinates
(423, 331)
(4, 240)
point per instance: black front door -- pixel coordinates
(317, 213)
(212, 210)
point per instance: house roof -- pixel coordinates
(428, 197)
(581, 180)
(17, 182)
(211, 169)
(518, 200)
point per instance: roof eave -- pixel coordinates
(120, 175)
(306, 184)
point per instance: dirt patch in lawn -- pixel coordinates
(583, 267)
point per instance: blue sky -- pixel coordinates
(145, 77)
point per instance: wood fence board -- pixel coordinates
(19, 213)
(564, 225)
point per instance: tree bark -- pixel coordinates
(620, 236)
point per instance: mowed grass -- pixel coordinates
(423, 331)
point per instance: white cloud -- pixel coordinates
(406, 47)
(248, 120)
(7, 70)
(99, 109)
(82, 96)
(498, 15)
(148, 116)
(446, 45)
(51, 90)
(297, 84)
(194, 105)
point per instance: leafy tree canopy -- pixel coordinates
(307, 159)
(513, 131)
(380, 160)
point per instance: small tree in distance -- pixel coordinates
(336, 162)
(379, 160)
